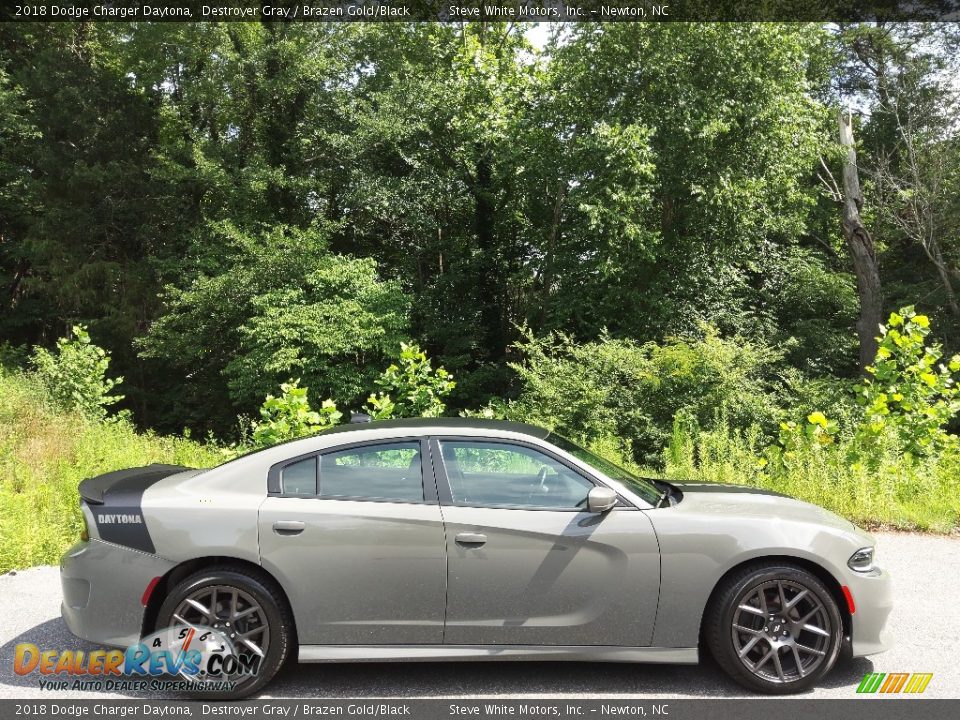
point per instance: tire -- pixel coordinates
(780, 656)
(271, 621)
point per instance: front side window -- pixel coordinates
(641, 486)
(507, 475)
(389, 471)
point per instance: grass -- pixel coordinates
(44, 454)
(892, 489)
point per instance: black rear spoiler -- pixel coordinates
(113, 486)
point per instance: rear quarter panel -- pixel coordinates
(213, 513)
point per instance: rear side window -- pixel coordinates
(389, 471)
(300, 478)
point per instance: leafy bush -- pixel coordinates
(620, 389)
(290, 416)
(892, 488)
(909, 389)
(410, 387)
(890, 460)
(75, 374)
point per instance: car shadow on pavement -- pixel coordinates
(513, 679)
(52, 635)
(436, 679)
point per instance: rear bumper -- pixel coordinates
(103, 585)
(873, 597)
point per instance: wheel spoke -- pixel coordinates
(796, 657)
(763, 661)
(750, 645)
(815, 629)
(810, 650)
(252, 646)
(751, 631)
(198, 607)
(213, 604)
(245, 613)
(776, 664)
(783, 597)
(234, 597)
(751, 609)
(796, 598)
(763, 601)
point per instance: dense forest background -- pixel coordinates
(228, 206)
(717, 251)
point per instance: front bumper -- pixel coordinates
(103, 585)
(873, 596)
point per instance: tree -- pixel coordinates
(690, 181)
(860, 245)
(282, 306)
(901, 77)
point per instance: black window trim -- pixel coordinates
(428, 481)
(446, 493)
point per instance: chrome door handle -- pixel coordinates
(288, 527)
(466, 538)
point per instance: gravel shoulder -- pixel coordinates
(926, 573)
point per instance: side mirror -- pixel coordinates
(601, 499)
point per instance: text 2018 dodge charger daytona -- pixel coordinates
(461, 539)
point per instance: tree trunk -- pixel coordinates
(861, 249)
(941, 263)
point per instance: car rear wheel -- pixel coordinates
(246, 612)
(775, 629)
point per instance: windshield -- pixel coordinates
(642, 487)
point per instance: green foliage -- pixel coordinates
(283, 305)
(909, 389)
(908, 399)
(290, 416)
(410, 387)
(893, 489)
(230, 205)
(618, 388)
(889, 460)
(75, 374)
(45, 454)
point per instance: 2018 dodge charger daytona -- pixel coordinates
(464, 539)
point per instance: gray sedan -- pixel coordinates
(464, 539)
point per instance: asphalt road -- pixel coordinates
(927, 581)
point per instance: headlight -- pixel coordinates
(862, 560)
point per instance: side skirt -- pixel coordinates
(428, 653)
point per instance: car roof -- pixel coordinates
(442, 424)
(373, 431)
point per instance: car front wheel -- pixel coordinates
(775, 629)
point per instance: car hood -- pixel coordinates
(744, 501)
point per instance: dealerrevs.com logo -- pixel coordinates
(888, 683)
(184, 658)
